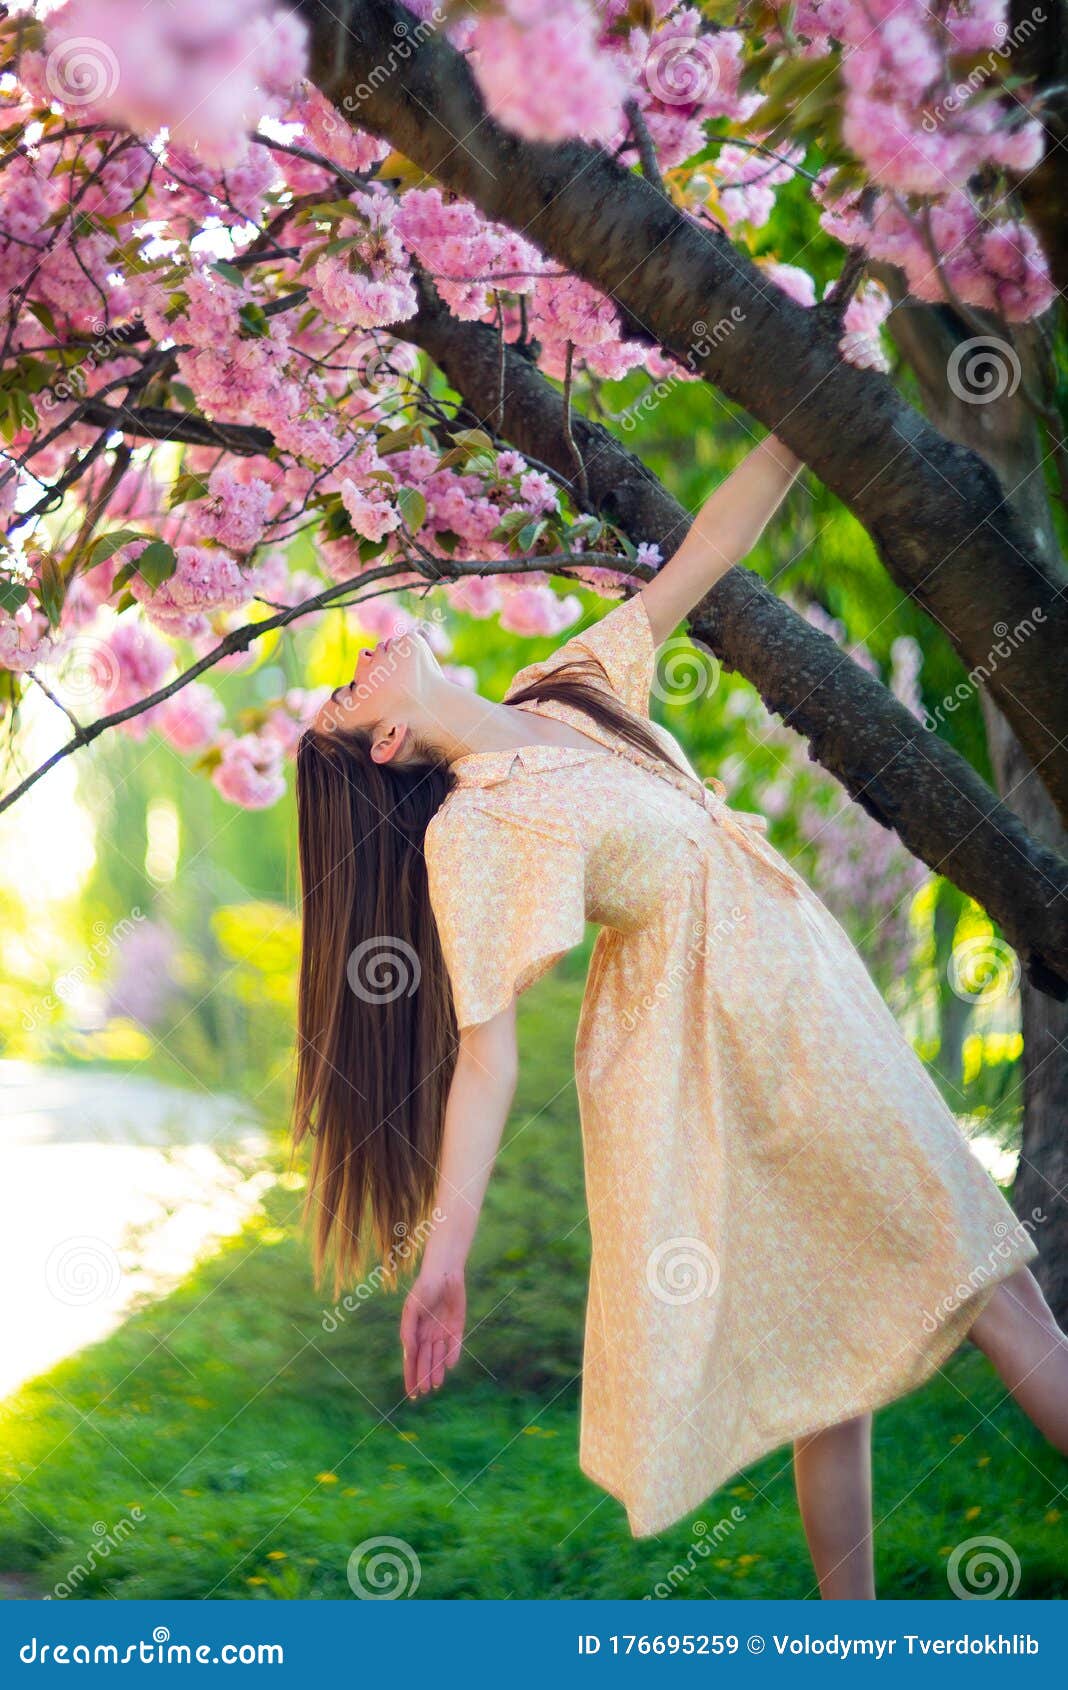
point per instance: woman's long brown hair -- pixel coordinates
(376, 1030)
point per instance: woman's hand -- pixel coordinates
(432, 1328)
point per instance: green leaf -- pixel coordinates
(229, 273)
(41, 312)
(476, 439)
(113, 542)
(187, 486)
(51, 589)
(13, 595)
(370, 549)
(528, 537)
(396, 440)
(157, 563)
(126, 602)
(254, 319)
(184, 395)
(412, 506)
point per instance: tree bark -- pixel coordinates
(902, 774)
(1005, 431)
(936, 511)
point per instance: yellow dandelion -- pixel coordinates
(255, 1581)
(972, 1513)
(983, 1461)
(351, 1490)
(326, 1478)
(408, 1437)
(957, 1438)
(1052, 1517)
(398, 1466)
(276, 1554)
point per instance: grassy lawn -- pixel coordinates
(234, 1440)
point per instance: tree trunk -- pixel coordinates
(1004, 431)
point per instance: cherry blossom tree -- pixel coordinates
(308, 307)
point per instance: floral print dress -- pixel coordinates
(788, 1226)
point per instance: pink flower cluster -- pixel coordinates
(369, 285)
(235, 512)
(962, 253)
(543, 72)
(249, 771)
(205, 72)
(205, 580)
(916, 126)
(466, 255)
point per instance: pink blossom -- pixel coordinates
(371, 517)
(235, 511)
(249, 772)
(865, 315)
(135, 661)
(543, 73)
(537, 610)
(205, 72)
(204, 581)
(189, 720)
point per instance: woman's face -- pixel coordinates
(388, 680)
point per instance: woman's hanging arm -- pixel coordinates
(480, 1096)
(725, 530)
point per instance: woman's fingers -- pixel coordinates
(409, 1335)
(437, 1372)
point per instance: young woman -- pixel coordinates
(788, 1227)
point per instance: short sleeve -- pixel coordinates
(508, 900)
(621, 642)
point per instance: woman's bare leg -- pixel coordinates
(832, 1471)
(1018, 1334)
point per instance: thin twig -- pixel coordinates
(643, 141)
(58, 702)
(239, 639)
(580, 467)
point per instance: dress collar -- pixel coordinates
(487, 768)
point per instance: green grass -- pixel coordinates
(259, 1447)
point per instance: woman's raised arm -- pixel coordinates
(725, 530)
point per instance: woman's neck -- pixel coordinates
(465, 723)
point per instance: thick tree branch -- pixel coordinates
(903, 775)
(156, 422)
(937, 513)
